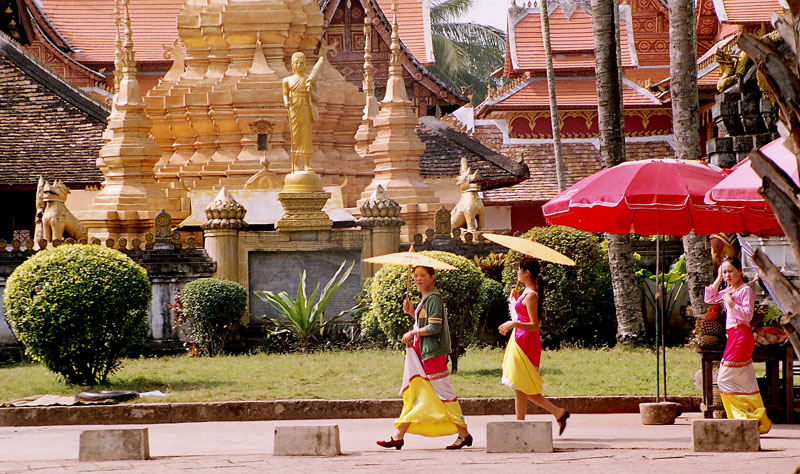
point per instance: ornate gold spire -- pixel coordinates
(118, 50)
(395, 86)
(371, 106)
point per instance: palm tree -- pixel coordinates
(683, 91)
(627, 297)
(465, 52)
(551, 89)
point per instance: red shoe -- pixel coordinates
(392, 443)
(461, 442)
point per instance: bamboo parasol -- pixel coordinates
(410, 259)
(531, 248)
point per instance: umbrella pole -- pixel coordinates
(408, 281)
(656, 320)
(664, 319)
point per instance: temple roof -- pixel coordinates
(415, 44)
(542, 184)
(412, 15)
(571, 92)
(571, 39)
(88, 27)
(49, 127)
(747, 11)
(445, 146)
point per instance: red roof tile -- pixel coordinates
(571, 41)
(88, 26)
(414, 21)
(746, 11)
(570, 92)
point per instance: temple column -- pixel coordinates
(224, 217)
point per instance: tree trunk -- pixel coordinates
(627, 297)
(685, 125)
(551, 89)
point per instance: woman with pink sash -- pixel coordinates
(736, 378)
(521, 360)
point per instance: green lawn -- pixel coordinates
(363, 374)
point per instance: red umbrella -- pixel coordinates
(739, 190)
(647, 197)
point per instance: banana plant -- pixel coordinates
(673, 282)
(304, 316)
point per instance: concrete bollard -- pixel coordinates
(725, 435)
(519, 437)
(307, 441)
(114, 445)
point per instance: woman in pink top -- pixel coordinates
(736, 378)
(521, 360)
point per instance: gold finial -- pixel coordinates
(395, 86)
(128, 55)
(118, 49)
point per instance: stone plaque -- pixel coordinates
(280, 271)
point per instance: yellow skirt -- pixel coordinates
(749, 407)
(518, 371)
(430, 410)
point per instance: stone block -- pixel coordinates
(114, 445)
(763, 139)
(519, 437)
(723, 160)
(307, 441)
(719, 145)
(743, 143)
(725, 435)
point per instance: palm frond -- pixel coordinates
(448, 10)
(473, 34)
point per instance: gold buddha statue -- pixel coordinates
(300, 96)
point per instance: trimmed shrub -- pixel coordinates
(212, 308)
(77, 309)
(462, 300)
(579, 302)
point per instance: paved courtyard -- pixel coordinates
(608, 444)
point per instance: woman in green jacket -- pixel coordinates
(430, 406)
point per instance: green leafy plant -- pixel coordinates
(78, 309)
(491, 265)
(461, 292)
(578, 301)
(212, 309)
(304, 316)
(674, 280)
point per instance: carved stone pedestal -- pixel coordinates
(303, 211)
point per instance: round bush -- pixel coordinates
(579, 301)
(460, 290)
(77, 309)
(212, 308)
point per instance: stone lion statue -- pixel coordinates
(469, 208)
(53, 220)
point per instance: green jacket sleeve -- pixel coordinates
(435, 312)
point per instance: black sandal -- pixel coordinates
(562, 422)
(461, 442)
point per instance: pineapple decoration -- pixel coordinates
(708, 330)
